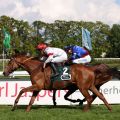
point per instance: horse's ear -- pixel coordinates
(16, 51)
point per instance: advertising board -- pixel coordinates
(9, 90)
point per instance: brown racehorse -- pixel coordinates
(103, 74)
(81, 76)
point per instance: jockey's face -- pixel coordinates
(70, 51)
(42, 51)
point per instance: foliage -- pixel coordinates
(114, 40)
(25, 37)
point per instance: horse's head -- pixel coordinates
(13, 64)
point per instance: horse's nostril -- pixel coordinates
(4, 74)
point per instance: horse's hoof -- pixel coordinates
(110, 109)
(13, 109)
(27, 110)
(86, 108)
(55, 104)
(80, 103)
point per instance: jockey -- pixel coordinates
(54, 55)
(79, 54)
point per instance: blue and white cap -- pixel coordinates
(68, 47)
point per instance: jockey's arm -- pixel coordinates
(74, 55)
(50, 57)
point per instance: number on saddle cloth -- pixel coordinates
(64, 73)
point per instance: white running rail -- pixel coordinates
(17, 73)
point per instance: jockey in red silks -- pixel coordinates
(54, 55)
(79, 54)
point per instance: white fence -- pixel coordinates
(107, 58)
(16, 73)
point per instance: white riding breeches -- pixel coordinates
(61, 58)
(83, 60)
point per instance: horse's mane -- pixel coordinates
(24, 55)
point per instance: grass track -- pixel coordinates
(60, 113)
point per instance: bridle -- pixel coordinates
(18, 63)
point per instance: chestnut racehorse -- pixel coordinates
(81, 76)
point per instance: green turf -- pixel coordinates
(60, 113)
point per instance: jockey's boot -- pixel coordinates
(55, 72)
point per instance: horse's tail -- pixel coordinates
(114, 72)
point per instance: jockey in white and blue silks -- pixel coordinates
(79, 54)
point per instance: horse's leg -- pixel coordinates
(70, 91)
(54, 97)
(93, 96)
(34, 95)
(28, 89)
(96, 92)
(88, 98)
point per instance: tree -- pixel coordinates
(114, 40)
(25, 37)
(99, 34)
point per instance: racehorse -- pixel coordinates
(103, 74)
(81, 76)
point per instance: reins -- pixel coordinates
(27, 59)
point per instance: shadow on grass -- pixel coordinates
(49, 107)
(95, 109)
